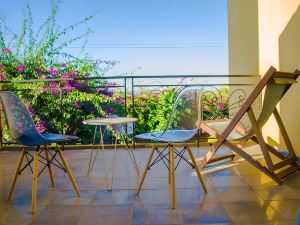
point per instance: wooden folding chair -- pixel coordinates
(276, 84)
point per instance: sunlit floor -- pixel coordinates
(237, 193)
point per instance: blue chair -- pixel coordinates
(182, 126)
(24, 131)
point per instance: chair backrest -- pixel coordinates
(20, 124)
(186, 109)
(276, 87)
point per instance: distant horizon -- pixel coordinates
(146, 38)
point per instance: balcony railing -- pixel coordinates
(53, 102)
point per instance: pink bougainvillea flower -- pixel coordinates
(2, 76)
(69, 75)
(1, 66)
(77, 105)
(30, 108)
(38, 70)
(41, 126)
(120, 101)
(20, 68)
(52, 71)
(220, 106)
(5, 51)
(52, 85)
(54, 88)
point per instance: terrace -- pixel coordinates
(237, 192)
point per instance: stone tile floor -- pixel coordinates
(237, 193)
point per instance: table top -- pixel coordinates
(110, 121)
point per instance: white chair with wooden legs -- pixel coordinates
(181, 127)
(24, 131)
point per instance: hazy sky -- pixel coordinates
(157, 36)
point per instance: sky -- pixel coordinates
(156, 37)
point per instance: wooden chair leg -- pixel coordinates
(49, 167)
(172, 170)
(12, 187)
(65, 164)
(169, 157)
(34, 180)
(196, 168)
(145, 171)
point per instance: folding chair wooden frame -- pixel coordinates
(287, 164)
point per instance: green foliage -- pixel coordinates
(152, 109)
(39, 55)
(215, 104)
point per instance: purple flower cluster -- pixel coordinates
(68, 86)
(220, 106)
(20, 68)
(77, 105)
(41, 126)
(30, 108)
(53, 87)
(105, 92)
(120, 101)
(2, 72)
(6, 51)
(68, 75)
(52, 71)
(38, 70)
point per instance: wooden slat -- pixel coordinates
(295, 167)
(261, 142)
(283, 163)
(271, 149)
(221, 157)
(252, 161)
(286, 75)
(284, 133)
(209, 130)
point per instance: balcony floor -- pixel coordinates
(237, 194)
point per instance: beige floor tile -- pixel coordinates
(204, 213)
(237, 194)
(289, 209)
(252, 212)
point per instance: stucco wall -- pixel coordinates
(279, 43)
(243, 46)
(264, 33)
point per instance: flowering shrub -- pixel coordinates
(39, 55)
(215, 104)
